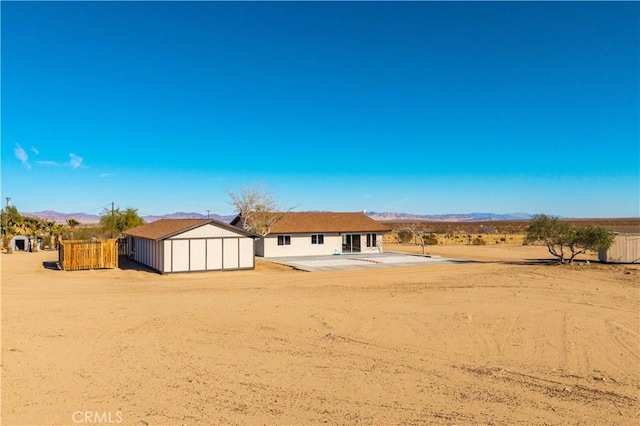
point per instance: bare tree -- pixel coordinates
(257, 207)
(416, 229)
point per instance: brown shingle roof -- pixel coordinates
(303, 222)
(165, 228)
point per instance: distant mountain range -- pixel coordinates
(464, 217)
(183, 215)
(84, 218)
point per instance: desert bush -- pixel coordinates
(404, 236)
(478, 241)
(430, 240)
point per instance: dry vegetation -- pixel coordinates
(509, 339)
(509, 232)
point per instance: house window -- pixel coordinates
(317, 239)
(284, 240)
(371, 240)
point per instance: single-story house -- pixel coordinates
(320, 233)
(189, 245)
(625, 249)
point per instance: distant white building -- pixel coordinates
(320, 233)
(20, 243)
(191, 245)
(25, 243)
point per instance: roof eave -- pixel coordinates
(223, 225)
(331, 232)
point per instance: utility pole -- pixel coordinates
(6, 220)
(113, 218)
(208, 213)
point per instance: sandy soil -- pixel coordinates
(507, 340)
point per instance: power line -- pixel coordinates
(96, 209)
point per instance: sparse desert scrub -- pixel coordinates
(460, 239)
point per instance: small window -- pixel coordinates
(284, 240)
(317, 239)
(371, 240)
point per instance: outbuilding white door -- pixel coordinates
(210, 254)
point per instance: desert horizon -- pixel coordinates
(387, 217)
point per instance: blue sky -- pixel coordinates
(417, 107)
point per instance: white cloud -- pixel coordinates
(105, 175)
(22, 155)
(75, 160)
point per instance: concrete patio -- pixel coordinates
(360, 261)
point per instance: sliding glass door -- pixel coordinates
(351, 243)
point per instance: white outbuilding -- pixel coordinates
(191, 245)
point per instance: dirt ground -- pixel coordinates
(507, 340)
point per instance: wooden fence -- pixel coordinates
(74, 255)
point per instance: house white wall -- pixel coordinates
(259, 246)
(301, 245)
(375, 248)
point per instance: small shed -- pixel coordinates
(20, 243)
(625, 249)
(191, 245)
(25, 243)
